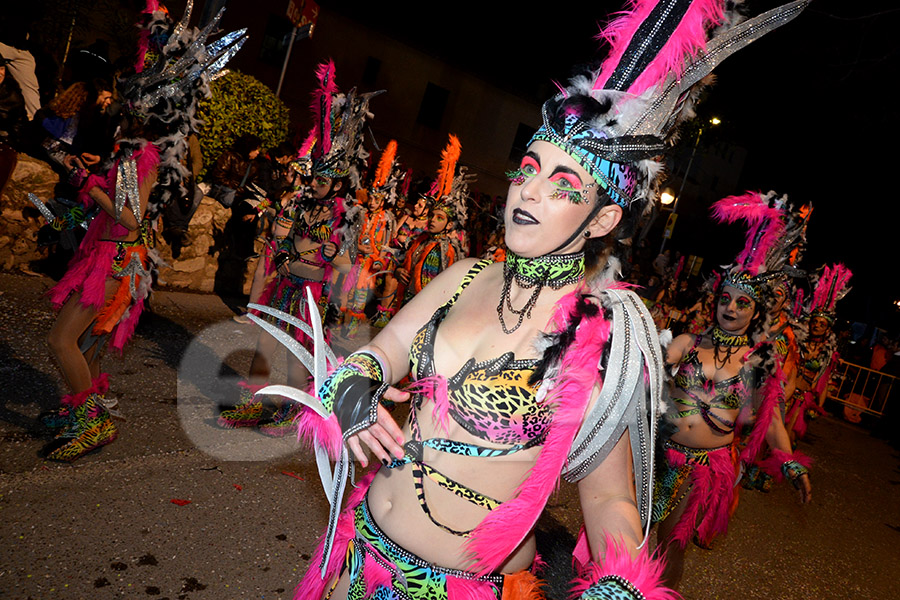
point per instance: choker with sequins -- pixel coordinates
(554, 270)
(721, 337)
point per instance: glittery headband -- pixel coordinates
(592, 150)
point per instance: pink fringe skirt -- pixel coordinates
(95, 263)
(708, 478)
(287, 293)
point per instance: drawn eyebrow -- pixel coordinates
(565, 169)
(562, 169)
(533, 156)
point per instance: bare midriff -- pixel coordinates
(395, 506)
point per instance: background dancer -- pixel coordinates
(437, 247)
(728, 372)
(312, 238)
(373, 244)
(818, 352)
(101, 296)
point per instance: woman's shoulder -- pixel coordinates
(680, 346)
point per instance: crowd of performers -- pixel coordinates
(562, 372)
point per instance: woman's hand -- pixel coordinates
(805, 488)
(89, 159)
(402, 275)
(72, 162)
(329, 250)
(385, 438)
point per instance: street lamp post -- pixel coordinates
(713, 121)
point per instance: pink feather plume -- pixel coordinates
(313, 586)
(307, 145)
(100, 385)
(830, 287)
(321, 105)
(771, 393)
(765, 226)
(643, 571)
(711, 498)
(436, 389)
(688, 40)
(772, 464)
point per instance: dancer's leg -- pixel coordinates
(673, 553)
(64, 339)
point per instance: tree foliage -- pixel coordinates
(240, 104)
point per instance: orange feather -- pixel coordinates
(449, 158)
(385, 165)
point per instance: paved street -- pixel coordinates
(107, 526)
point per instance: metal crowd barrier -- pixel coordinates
(861, 388)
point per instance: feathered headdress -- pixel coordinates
(339, 121)
(450, 190)
(775, 233)
(172, 73)
(830, 287)
(387, 174)
(615, 121)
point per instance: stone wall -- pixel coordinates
(19, 219)
(202, 266)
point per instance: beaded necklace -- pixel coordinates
(729, 341)
(555, 270)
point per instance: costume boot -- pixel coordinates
(383, 316)
(247, 412)
(282, 422)
(89, 428)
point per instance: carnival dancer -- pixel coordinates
(313, 237)
(722, 379)
(700, 314)
(438, 246)
(410, 226)
(373, 255)
(412, 223)
(523, 370)
(818, 355)
(101, 296)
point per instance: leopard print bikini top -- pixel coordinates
(490, 399)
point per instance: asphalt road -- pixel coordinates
(107, 526)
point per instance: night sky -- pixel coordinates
(811, 102)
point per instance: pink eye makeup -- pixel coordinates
(529, 166)
(567, 182)
(725, 299)
(743, 303)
